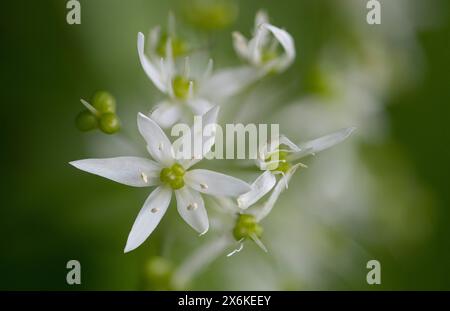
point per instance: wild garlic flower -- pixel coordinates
(247, 223)
(280, 157)
(169, 175)
(263, 50)
(181, 89)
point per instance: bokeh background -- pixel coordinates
(383, 194)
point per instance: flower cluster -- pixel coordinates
(190, 92)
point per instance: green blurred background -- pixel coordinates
(52, 213)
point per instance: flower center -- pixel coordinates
(173, 176)
(277, 161)
(181, 87)
(246, 227)
(268, 55)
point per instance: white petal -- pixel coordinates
(169, 60)
(256, 44)
(131, 171)
(287, 142)
(280, 186)
(152, 72)
(166, 114)
(158, 145)
(322, 143)
(208, 70)
(240, 45)
(199, 106)
(262, 185)
(149, 217)
(214, 183)
(287, 42)
(261, 18)
(208, 119)
(154, 37)
(192, 209)
(229, 82)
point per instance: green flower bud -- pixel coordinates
(318, 82)
(246, 226)
(86, 121)
(179, 46)
(158, 273)
(104, 102)
(211, 15)
(109, 123)
(173, 176)
(181, 86)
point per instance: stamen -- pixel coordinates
(161, 146)
(155, 210)
(192, 206)
(144, 177)
(237, 250)
(285, 181)
(191, 89)
(204, 186)
(258, 242)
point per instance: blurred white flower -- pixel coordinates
(262, 51)
(169, 175)
(180, 88)
(280, 157)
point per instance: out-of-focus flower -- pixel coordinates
(263, 50)
(169, 175)
(263, 55)
(211, 15)
(180, 88)
(281, 156)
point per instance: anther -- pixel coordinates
(204, 186)
(155, 210)
(144, 177)
(192, 206)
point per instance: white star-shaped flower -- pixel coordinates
(169, 175)
(280, 157)
(262, 51)
(180, 87)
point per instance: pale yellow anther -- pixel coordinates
(192, 206)
(302, 165)
(155, 210)
(204, 186)
(144, 177)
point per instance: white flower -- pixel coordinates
(262, 50)
(280, 157)
(168, 175)
(178, 85)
